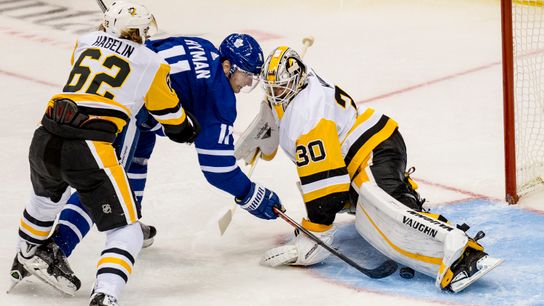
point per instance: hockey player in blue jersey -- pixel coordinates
(206, 80)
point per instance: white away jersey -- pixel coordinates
(112, 78)
(329, 138)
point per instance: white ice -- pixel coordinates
(452, 126)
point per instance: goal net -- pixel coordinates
(523, 68)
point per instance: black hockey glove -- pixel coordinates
(185, 132)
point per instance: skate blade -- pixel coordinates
(38, 267)
(490, 264)
(13, 283)
(15, 278)
(148, 242)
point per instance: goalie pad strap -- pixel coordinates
(315, 227)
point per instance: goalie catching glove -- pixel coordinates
(261, 135)
(260, 201)
(301, 250)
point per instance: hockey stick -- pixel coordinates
(102, 5)
(387, 268)
(225, 220)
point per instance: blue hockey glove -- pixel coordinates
(259, 202)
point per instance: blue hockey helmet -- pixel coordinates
(243, 52)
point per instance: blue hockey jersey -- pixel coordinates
(197, 77)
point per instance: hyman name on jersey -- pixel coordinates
(114, 45)
(422, 227)
(199, 59)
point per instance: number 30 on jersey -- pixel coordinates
(314, 151)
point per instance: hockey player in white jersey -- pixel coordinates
(113, 76)
(352, 158)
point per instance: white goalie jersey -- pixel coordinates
(329, 138)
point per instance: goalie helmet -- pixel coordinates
(243, 52)
(284, 75)
(123, 16)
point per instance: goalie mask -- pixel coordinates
(122, 17)
(283, 75)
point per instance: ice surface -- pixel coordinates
(435, 65)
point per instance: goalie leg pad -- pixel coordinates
(402, 234)
(301, 250)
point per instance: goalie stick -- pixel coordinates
(387, 268)
(224, 222)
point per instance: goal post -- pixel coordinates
(523, 92)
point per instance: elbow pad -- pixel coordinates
(185, 132)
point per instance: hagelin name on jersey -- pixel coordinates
(114, 45)
(422, 227)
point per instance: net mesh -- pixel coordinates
(528, 35)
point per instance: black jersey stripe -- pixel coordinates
(360, 142)
(109, 270)
(36, 221)
(323, 175)
(166, 111)
(103, 112)
(120, 252)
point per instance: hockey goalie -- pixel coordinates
(353, 159)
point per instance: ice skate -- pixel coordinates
(471, 267)
(50, 265)
(102, 299)
(17, 273)
(149, 234)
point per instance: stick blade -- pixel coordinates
(224, 222)
(387, 268)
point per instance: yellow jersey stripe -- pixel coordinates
(372, 143)
(360, 119)
(119, 176)
(310, 196)
(362, 176)
(106, 154)
(92, 98)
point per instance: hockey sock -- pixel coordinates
(74, 223)
(116, 261)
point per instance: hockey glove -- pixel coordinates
(185, 132)
(301, 250)
(259, 202)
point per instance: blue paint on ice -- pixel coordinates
(513, 234)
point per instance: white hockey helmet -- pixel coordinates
(283, 75)
(122, 16)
